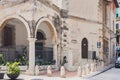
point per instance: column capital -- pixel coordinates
(31, 39)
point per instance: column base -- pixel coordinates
(30, 72)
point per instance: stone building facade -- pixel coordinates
(117, 37)
(54, 30)
(91, 28)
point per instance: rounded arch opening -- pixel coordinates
(44, 50)
(50, 26)
(13, 40)
(40, 35)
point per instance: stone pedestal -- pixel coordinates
(86, 68)
(102, 64)
(79, 71)
(83, 71)
(98, 67)
(49, 71)
(62, 72)
(37, 72)
(92, 67)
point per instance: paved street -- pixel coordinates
(112, 74)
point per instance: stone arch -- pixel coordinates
(51, 27)
(6, 19)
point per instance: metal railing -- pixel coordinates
(10, 53)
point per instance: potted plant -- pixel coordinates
(13, 70)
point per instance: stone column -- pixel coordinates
(37, 70)
(55, 54)
(79, 71)
(31, 69)
(62, 72)
(49, 71)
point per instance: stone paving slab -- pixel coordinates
(27, 77)
(56, 76)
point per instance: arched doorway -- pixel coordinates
(39, 47)
(13, 41)
(44, 45)
(84, 48)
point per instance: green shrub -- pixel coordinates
(1, 59)
(13, 68)
(22, 58)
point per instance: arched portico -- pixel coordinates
(52, 33)
(46, 26)
(45, 32)
(14, 32)
(45, 37)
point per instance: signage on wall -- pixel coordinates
(74, 41)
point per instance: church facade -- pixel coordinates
(47, 32)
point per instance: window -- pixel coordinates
(43, 54)
(39, 45)
(8, 35)
(40, 36)
(117, 26)
(117, 15)
(84, 48)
